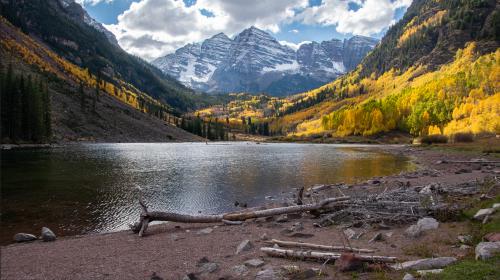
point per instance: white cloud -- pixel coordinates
(294, 31)
(152, 28)
(293, 45)
(371, 17)
(92, 2)
(170, 24)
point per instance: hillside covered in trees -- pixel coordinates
(63, 29)
(38, 85)
(435, 71)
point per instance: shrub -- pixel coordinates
(435, 138)
(463, 137)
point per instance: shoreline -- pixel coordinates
(124, 255)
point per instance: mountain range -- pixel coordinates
(253, 61)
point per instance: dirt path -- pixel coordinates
(174, 250)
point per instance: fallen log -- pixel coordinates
(283, 243)
(228, 218)
(320, 256)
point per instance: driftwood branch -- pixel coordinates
(283, 243)
(320, 256)
(227, 218)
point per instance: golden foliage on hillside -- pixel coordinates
(17, 43)
(462, 96)
(413, 28)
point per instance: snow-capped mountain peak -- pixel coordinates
(254, 61)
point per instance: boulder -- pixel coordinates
(496, 206)
(48, 235)
(421, 264)
(245, 245)
(348, 262)
(486, 250)
(492, 237)
(254, 263)
(24, 237)
(482, 213)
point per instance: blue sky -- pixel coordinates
(152, 28)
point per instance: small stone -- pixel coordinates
(348, 262)
(190, 276)
(239, 271)
(382, 225)
(268, 274)
(492, 237)
(24, 237)
(208, 268)
(486, 250)
(254, 263)
(245, 245)
(482, 213)
(290, 269)
(428, 223)
(297, 226)
(377, 237)
(465, 239)
(282, 219)
(264, 237)
(464, 247)
(48, 235)
(496, 206)
(408, 276)
(306, 274)
(155, 277)
(205, 231)
(349, 233)
(389, 234)
(429, 271)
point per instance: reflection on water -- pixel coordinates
(93, 188)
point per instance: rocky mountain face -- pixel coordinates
(254, 61)
(76, 12)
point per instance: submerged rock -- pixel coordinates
(48, 235)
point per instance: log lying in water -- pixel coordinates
(229, 218)
(283, 243)
(320, 256)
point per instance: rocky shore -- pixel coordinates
(422, 246)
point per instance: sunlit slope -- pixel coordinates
(434, 71)
(462, 96)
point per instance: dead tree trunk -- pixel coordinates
(147, 217)
(283, 243)
(320, 256)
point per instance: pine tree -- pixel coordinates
(82, 97)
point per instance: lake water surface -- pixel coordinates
(78, 189)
